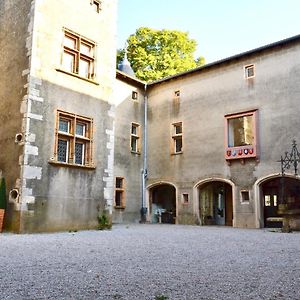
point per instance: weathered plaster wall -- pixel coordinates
(205, 98)
(127, 164)
(15, 24)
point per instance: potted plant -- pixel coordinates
(2, 202)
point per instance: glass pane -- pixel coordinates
(85, 49)
(134, 129)
(63, 125)
(79, 153)
(118, 198)
(62, 150)
(249, 71)
(178, 128)
(240, 131)
(68, 62)
(80, 129)
(70, 42)
(84, 68)
(134, 144)
(275, 200)
(178, 145)
(267, 200)
(119, 183)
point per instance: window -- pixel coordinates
(73, 139)
(78, 55)
(119, 192)
(249, 71)
(185, 198)
(177, 138)
(245, 196)
(241, 137)
(96, 4)
(177, 94)
(134, 96)
(135, 138)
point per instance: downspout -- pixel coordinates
(145, 161)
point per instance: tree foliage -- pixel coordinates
(155, 54)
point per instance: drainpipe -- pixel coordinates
(144, 170)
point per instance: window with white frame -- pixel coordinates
(78, 55)
(177, 138)
(73, 139)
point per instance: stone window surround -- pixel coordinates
(72, 138)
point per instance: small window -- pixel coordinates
(249, 71)
(241, 140)
(267, 200)
(185, 198)
(78, 55)
(119, 192)
(245, 196)
(73, 139)
(177, 94)
(96, 4)
(135, 138)
(134, 96)
(177, 138)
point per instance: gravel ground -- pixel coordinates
(151, 262)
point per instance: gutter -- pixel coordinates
(144, 172)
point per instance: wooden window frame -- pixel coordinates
(98, 4)
(176, 137)
(79, 55)
(72, 138)
(246, 69)
(244, 151)
(134, 95)
(120, 190)
(136, 137)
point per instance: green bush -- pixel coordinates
(2, 194)
(104, 222)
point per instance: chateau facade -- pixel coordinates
(79, 139)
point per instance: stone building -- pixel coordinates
(79, 139)
(57, 112)
(215, 135)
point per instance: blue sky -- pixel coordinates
(221, 27)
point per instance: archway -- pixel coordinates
(162, 203)
(215, 203)
(275, 191)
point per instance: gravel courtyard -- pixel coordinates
(151, 262)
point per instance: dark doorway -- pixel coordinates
(272, 191)
(215, 203)
(163, 204)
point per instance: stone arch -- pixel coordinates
(260, 194)
(219, 193)
(162, 202)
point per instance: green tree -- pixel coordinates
(155, 54)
